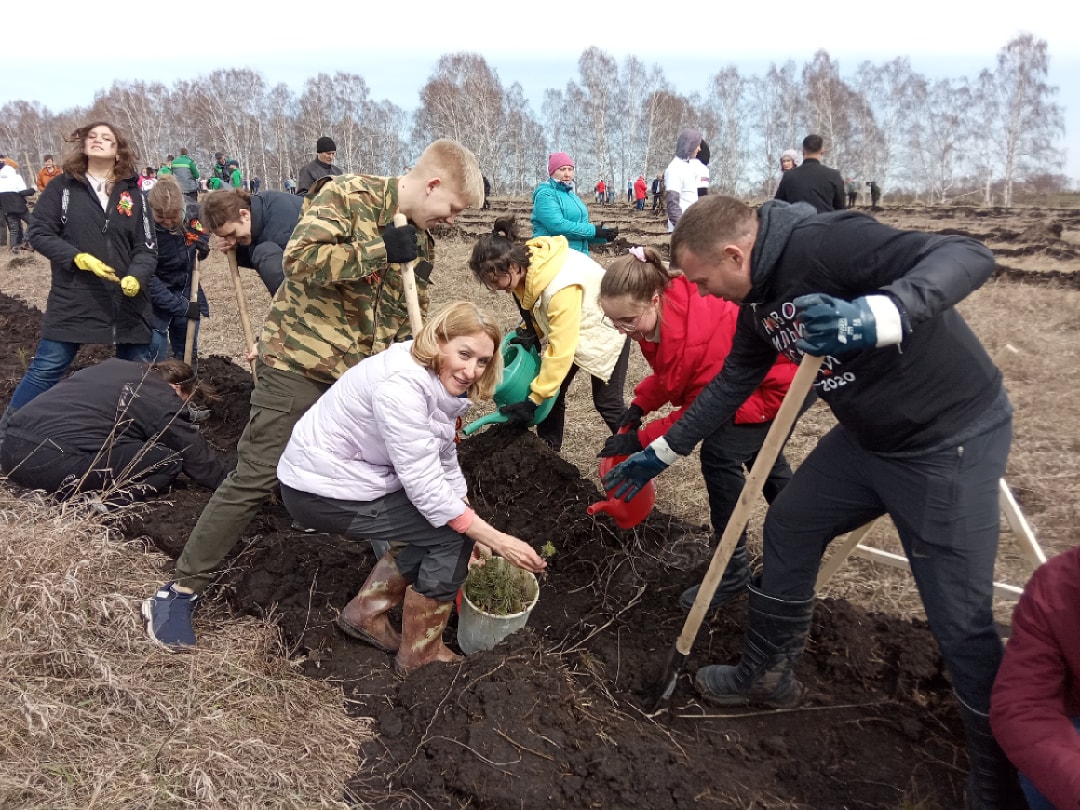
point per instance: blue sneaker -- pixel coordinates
(168, 617)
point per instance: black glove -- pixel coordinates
(631, 418)
(526, 338)
(621, 444)
(519, 414)
(400, 244)
(193, 313)
(607, 234)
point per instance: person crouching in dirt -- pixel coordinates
(117, 431)
(557, 289)
(180, 240)
(258, 227)
(685, 337)
(923, 436)
(343, 300)
(375, 459)
(92, 214)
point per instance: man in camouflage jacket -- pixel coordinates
(342, 301)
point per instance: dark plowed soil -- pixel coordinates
(553, 717)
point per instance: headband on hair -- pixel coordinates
(638, 252)
(193, 378)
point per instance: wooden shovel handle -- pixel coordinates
(192, 324)
(241, 304)
(755, 482)
(408, 282)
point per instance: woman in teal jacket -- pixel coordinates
(558, 211)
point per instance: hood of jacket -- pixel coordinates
(776, 220)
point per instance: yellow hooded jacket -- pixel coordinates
(562, 291)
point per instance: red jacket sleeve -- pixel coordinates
(1035, 695)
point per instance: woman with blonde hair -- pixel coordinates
(376, 459)
(181, 239)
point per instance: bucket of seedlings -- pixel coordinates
(497, 598)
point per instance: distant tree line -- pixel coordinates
(935, 140)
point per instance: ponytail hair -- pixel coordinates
(494, 252)
(638, 275)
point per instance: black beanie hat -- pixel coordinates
(325, 144)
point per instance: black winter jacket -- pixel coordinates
(170, 286)
(83, 308)
(813, 183)
(895, 399)
(118, 401)
(312, 172)
(274, 215)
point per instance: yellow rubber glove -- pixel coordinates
(86, 261)
(130, 286)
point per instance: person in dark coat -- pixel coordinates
(258, 227)
(117, 430)
(93, 226)
(322, 166)
(923, 435)
(180, 241)
(811, 182)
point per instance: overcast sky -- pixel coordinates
(394, 46)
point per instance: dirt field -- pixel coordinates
(553, 717)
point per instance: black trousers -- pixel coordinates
(124, 472)
(607, 398)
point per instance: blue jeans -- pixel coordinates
(172, 343)
(53, 359)
(946, 511)
(1035, 800)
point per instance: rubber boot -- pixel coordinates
(764, 675)
(992, 783)
(364, 618)
(422, 623)
(732, 584)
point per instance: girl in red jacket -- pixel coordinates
(685, 338)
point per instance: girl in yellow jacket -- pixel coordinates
(557, 291)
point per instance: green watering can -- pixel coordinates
(520, 367)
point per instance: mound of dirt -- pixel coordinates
(553, 716)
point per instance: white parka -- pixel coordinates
(387, 424)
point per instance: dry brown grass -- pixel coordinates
(93, 715)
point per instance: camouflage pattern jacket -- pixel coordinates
(341, 301)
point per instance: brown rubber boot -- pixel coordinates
(422, 623)
(364, 618)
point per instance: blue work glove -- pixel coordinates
(519, 414)
(833, 326)
(627, 479)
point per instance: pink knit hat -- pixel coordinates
(557, 161)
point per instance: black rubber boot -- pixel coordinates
(732, 584)
(992, 783)
(764, 675)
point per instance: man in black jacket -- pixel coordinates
(811, 182)
(923, 436)
(258, 227)
(322, 166)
